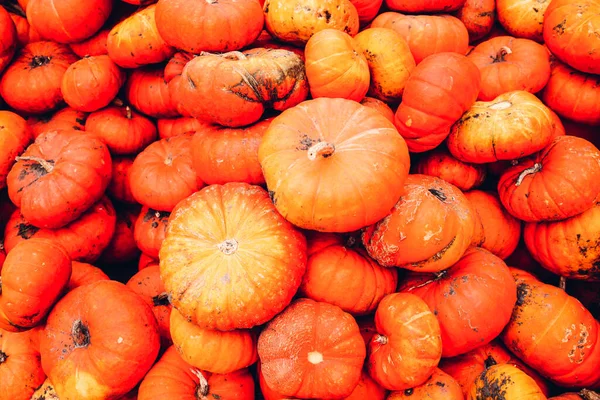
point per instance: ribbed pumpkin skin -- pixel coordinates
(9, 35)
(523, 18)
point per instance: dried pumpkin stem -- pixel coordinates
(537, 167)
(80, 334)
(202, 389)
(118, 102)
(589, 395)
(128, 112)
(381, 339)
(562, 283)
(45, 164)
(3, 357)
(163, 299)
(502, 53)
(228, 247)
(322, 149)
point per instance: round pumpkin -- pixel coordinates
(380, 106)
(58, 177)
(31, 84)
(390, 62)
(172, 76)
(172, 378)
(91, 83)
(333, 165)
(122, 247)
(336, 66)
(567, 32)
(15, 136)
(440, 386)
(487, 132)
(523, 18)
(150, 230)
(119, 188)
(557, 183)
(508, 64)
(236, 230)
(67, 118)
(147, 91)
(505, 381)
(89, 351)
(46, 267)
(424, 6)
(442, 164)
(479, 17)
(367, 10)
(93, 46)
(84, 274)
(323, 349)
(407, 347)
(428, 230)
(67, 21)
(169, 127)
(8, 39)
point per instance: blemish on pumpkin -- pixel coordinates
(523, 291)
(495, 388)
(26, 231)
(3, 357)
(560, 28)
(440, 384)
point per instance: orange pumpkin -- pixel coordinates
(367, 10)
(15, 136)
(557, 183)
(424, 6)
(323, 349)
(93, 46)
(237, 229)
(25, 32)
(390, 62)
(479, 17)
(84, 274)
(146, 262)
(336, 66)
(150, 230)
(147, 91)
(172, 77)
(380, 106)
(440, 386)
(477, 137)
(523, 19)
(176, 126)
(349, 159)
(8, 39)
(428, 230)
(46, 266)
(407, 347)
(122, 247)
(508, 64)
(442, 164)
(505, 381)
(567, 32)
(67, 118)
(427, 34)
(119, 188)
(90, 351)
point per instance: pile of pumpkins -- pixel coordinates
(299, 199)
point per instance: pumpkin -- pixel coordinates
(67, 21)
(20, 366)
(428, 230)
(523, 19)
(565, 348)
(555, 184)
(206, 348)
(508, 64)
(135, 41)
(326, 357)
(91, 83)
(58, 177)
(172, 378)
(296, 21)
(234, 89)
(148, 285)
(442, 164)
(437, 93)
(440, 386)
(424, 6)
(93, 46)
(362, 282)
(407, 347)
(15, 136)
(221, 155)
(505, 381)
(119, 188)
(427, 34)
(367, 10)
(147, 91)
(172, 76)
(390, 62)
(336, 66)
(573, 94)
(567, 27)
(31, 84)
(324, 180)
(465, 324)
(146, 262)
(478, 16)
(169, 127)
(236, 229)
(380, 106)
(479, 137)
(501, 231)
(162, 175)
(150, 229)
(67, 118)
(9, 39)
(569, 247)
(46, 267)
(84, 274)
(122, 247)
(26, 34)
(84, 239)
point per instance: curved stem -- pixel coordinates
(202, 389)
(502, 53)
(589, 395)
(128, 112)
(162, 299)
(45, 164)
(537, 167)
(322, 149)
(381, 339)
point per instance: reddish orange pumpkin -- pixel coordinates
(58, 177)
(67, 118)
(327, 355)
(523, 19)
(442, 164)
(150, 230)
(380, 106)
(119, 188)
(93, 46)
(122, 247)
(15, 136)
(479, 17)
(176, 126)
(8, 39)
(146, 262)
(367, 10)
(91, 83)
(557, 183)
(31, 84)
(424, 6)
(505, 381)
(25, 32)
(147, 91)
(84, 274)
(46, 267)
(237, 229)
(440, 386)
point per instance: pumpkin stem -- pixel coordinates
(163, 299)
(228, 247)
(322, 149)
(80, 334)
(537, 167)
(47, 165)
(202, 388)
(128, 112)
(489, 362)
(39, 61)
(502, 53)
(314, 357)
(589, 395)
(562, 283)
(439, 194)
(3, 357)
(381, 339)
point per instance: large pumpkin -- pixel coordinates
(322, 348)
(439, 90)
(442, 164)
(59, 177)
(89, 351)
(150, 229)
(557, 183)
(479, 17)
(428, 230)
(407, 347)
(505, 381)
(8, 39)
(31, 84)
(147, 91)
(46, 267)
(424, 6)
(333, 165)
(236, 229)
(523, 19)
(568, 33)
(440, 386)
(15, 136)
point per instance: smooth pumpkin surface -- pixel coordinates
(119, 188)
(66, 118)
(148, 92)
(83, 274)
(9, 39)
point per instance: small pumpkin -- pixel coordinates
(424, 6)
(169, 127)
(93, 46)
(442, 164)
(9, 39)
(67, 118)
(84, 274)
(172, 76)
(479, 17)
(15, 136)
(147, 91)
(150, 230)
(122, 247)
(523, 19)
(505, 380)
(440, 386)
(380, 106)
(119, 188)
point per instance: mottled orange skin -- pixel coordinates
(150, 230)
(523, 18)
(84, 274)
(479, 17)
(15, 136)
(119, 188)
(505, 380)
(440, 386)
(148, 92)
(442, 164)
(67, 118)
(21, 368)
